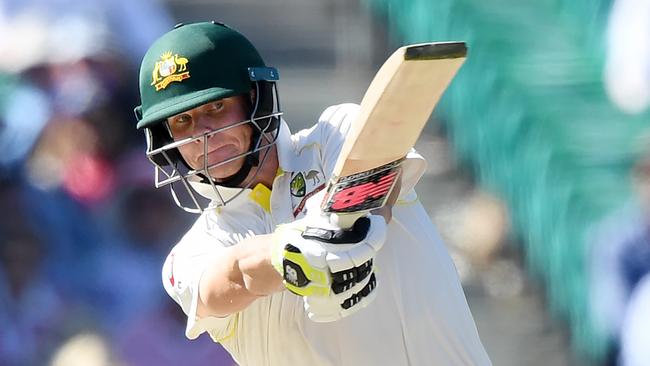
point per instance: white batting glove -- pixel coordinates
(331, 268)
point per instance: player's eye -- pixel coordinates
(180, 125)
(215, 106)
(182, 119)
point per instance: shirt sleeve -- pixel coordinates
(181, 274)
(334, 124)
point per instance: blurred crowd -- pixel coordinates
(619, 259)
(620, 272)
(83, 232)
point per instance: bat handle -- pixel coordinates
(346, 220)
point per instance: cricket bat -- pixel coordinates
(394, 110)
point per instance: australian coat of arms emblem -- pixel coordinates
(170, 68)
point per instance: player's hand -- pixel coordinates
(331, 268)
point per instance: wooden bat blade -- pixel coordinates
(398, 103)
(393, 112)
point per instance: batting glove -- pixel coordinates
(330, 267)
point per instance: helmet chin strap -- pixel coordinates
(235, 180)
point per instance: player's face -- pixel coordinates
(220, 146)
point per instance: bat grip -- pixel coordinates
(346, 220)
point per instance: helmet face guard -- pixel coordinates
(193, 189)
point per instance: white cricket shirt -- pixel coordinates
(420, 315)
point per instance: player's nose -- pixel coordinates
(204, 125)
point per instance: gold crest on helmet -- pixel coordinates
(170, 68)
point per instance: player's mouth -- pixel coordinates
(219, 154)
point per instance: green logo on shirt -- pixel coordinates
(298, 185)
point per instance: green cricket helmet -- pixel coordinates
(189, 66)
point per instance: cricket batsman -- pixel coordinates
(262, 271)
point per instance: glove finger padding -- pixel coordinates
(344, 280)
(332, 308)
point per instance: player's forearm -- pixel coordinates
(258, 274)
(236, 278)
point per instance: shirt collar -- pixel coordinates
(288, 159)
